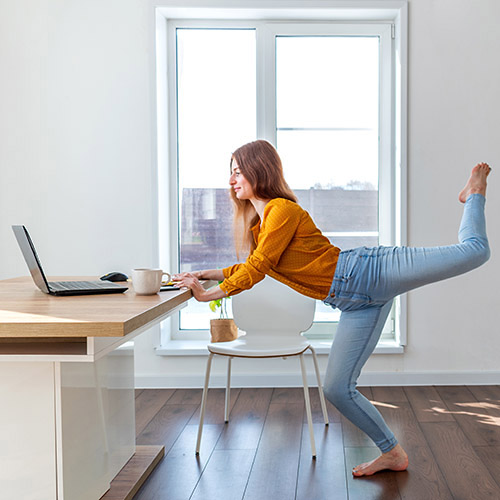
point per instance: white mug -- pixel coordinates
(148, 281)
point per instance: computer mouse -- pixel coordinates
(115, 276)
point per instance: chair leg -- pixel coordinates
(320, 386)
(203, 403)
(228, 391)
(308, 405)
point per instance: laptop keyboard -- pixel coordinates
(81, 285)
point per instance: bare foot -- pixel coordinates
(476, 182)
(396, 459)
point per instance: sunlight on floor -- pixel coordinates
(479, 407)
(385, 405)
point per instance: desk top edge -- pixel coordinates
(25, 311)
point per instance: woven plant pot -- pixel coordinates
(223, 330)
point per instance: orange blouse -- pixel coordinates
(291, 249)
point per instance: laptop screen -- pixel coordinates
(31, 258)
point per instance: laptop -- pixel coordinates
(58, 287)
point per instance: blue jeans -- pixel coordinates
(365, 283)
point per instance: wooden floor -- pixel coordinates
(451, 434)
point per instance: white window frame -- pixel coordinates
(384, 18)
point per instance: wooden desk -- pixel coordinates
(67, 425)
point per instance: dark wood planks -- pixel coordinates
(477, 419)
(324, 477)
(486, 412)
(427, 404)
(167, 424)
(388, 394)
(177, 475)
(450, 434)
(490, 456)
(486, 393)
(147, 404)
(225, 476)
(274, 472)
(465, 473)
(214, 410)
(424, 478)
(246, 420)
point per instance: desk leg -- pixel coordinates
(67, 430)
(95, 423)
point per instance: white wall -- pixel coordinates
(76, 135)
(454, 76)
(77, 124)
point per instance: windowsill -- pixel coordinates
(199, 348)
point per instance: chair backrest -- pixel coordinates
(272, 307)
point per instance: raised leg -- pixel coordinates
(203, 402)
(476, 183)
(408, 268)
(374, 276)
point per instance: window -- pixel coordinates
(327, 132)
(324, 94)
(214, 118)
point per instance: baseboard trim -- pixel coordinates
(291, 380)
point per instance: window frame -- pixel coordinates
(392, 15)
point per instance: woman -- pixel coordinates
(284, 243)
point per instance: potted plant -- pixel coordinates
(223, 328)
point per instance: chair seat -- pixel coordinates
(260, 348)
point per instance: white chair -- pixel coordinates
(273, 316)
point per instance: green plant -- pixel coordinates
(214, 304)
(219, 303)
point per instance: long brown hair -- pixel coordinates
(261, 166)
